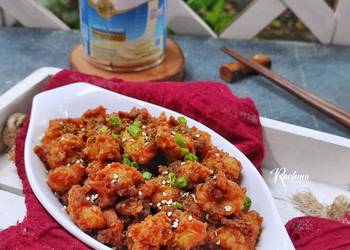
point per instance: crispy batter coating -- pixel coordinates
(61, 179)
(220, 197)
(158, 190)
(140, 149)
(190, 233)
(133, 207)
(84, 213)
(194, 172)
(102, 148)
(152, 233)
(219, 160)
(93, 167)
(113, 234)
(239, 233)
(166, 143)
(61, 151)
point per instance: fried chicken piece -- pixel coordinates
(93, 118)
(166, 143)
(219, 196)
(133, 207)
(159, 190)
(219, 160)
(189, 232)
(194, 172)
(113, 234)
(86, 215)
(115, 179)
(202, 142)
(93, 167)
(238, 233)
(193, 208)
(61, 151)
(152, 233)
(61, 179)
(140, 149)
(102, 147)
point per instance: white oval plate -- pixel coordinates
(73, 100)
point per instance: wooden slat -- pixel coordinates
(12, 209)
(9, 179)
(32, 14)
(316, 15)
(342, 15)
(254, 18)
(184, 21)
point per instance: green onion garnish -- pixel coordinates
(179, 205)
(129, 162)
(181, 182)
(115, 120)
(247, 203)
(179, 140)
(182, 120)
(185, 150)
(115, 135)
(134, 129)
(102, 129)
(191, 157)
(172, 179)
(147, 175)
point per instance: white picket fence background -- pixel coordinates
(328, 25)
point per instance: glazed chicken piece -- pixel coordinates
(238, 233)
(152, 233)
(114, 180)
(63, 150)
(135, 207)
(102, 147)
(218, 160)
(189, 232)
(94, 118)
(83, 211)
(166, 143)
(113, 234)
(159, 190)
(194, 172)
(140, 149)
(219, 196)
(61, 179)
(93, 167)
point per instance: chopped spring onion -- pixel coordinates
(179, 140)
(172, 179)
(115, 135)
(181, 182)
(247, 203)
(147, 175)
(115, 120)
(129, 162)
(182, 120)
(185, 150)
(135, 129)
(102, 129)
(191, 157)
(179, 205)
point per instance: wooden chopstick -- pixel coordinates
(338, 114)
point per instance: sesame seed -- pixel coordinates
(144, 134)
(140, 193)
(214, 177)
(211, 171)
(143, 127)
(163, 182)
(190, 218)
(175, 224)
(88, 198)
(215, 233)
(165, 172)
(115, 176)
(183, 163)
(169, 213)
(113, 181)
(124, 139)
(217, 154)
(164, 193)
(131, 140)
(163, 201)
(173, 132)
(151, 204)
(218, 242)
(228, 208)
(41, 137)
(197, 135)
(194, 197)
(61, 123)
(62, 138)
(207, 216)
(68, 165)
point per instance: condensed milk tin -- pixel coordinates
(124, 35)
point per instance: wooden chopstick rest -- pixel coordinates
(231, 72)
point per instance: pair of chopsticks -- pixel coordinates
(317, 102)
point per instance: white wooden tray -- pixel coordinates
(322, 157)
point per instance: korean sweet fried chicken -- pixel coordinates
(135, 181)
